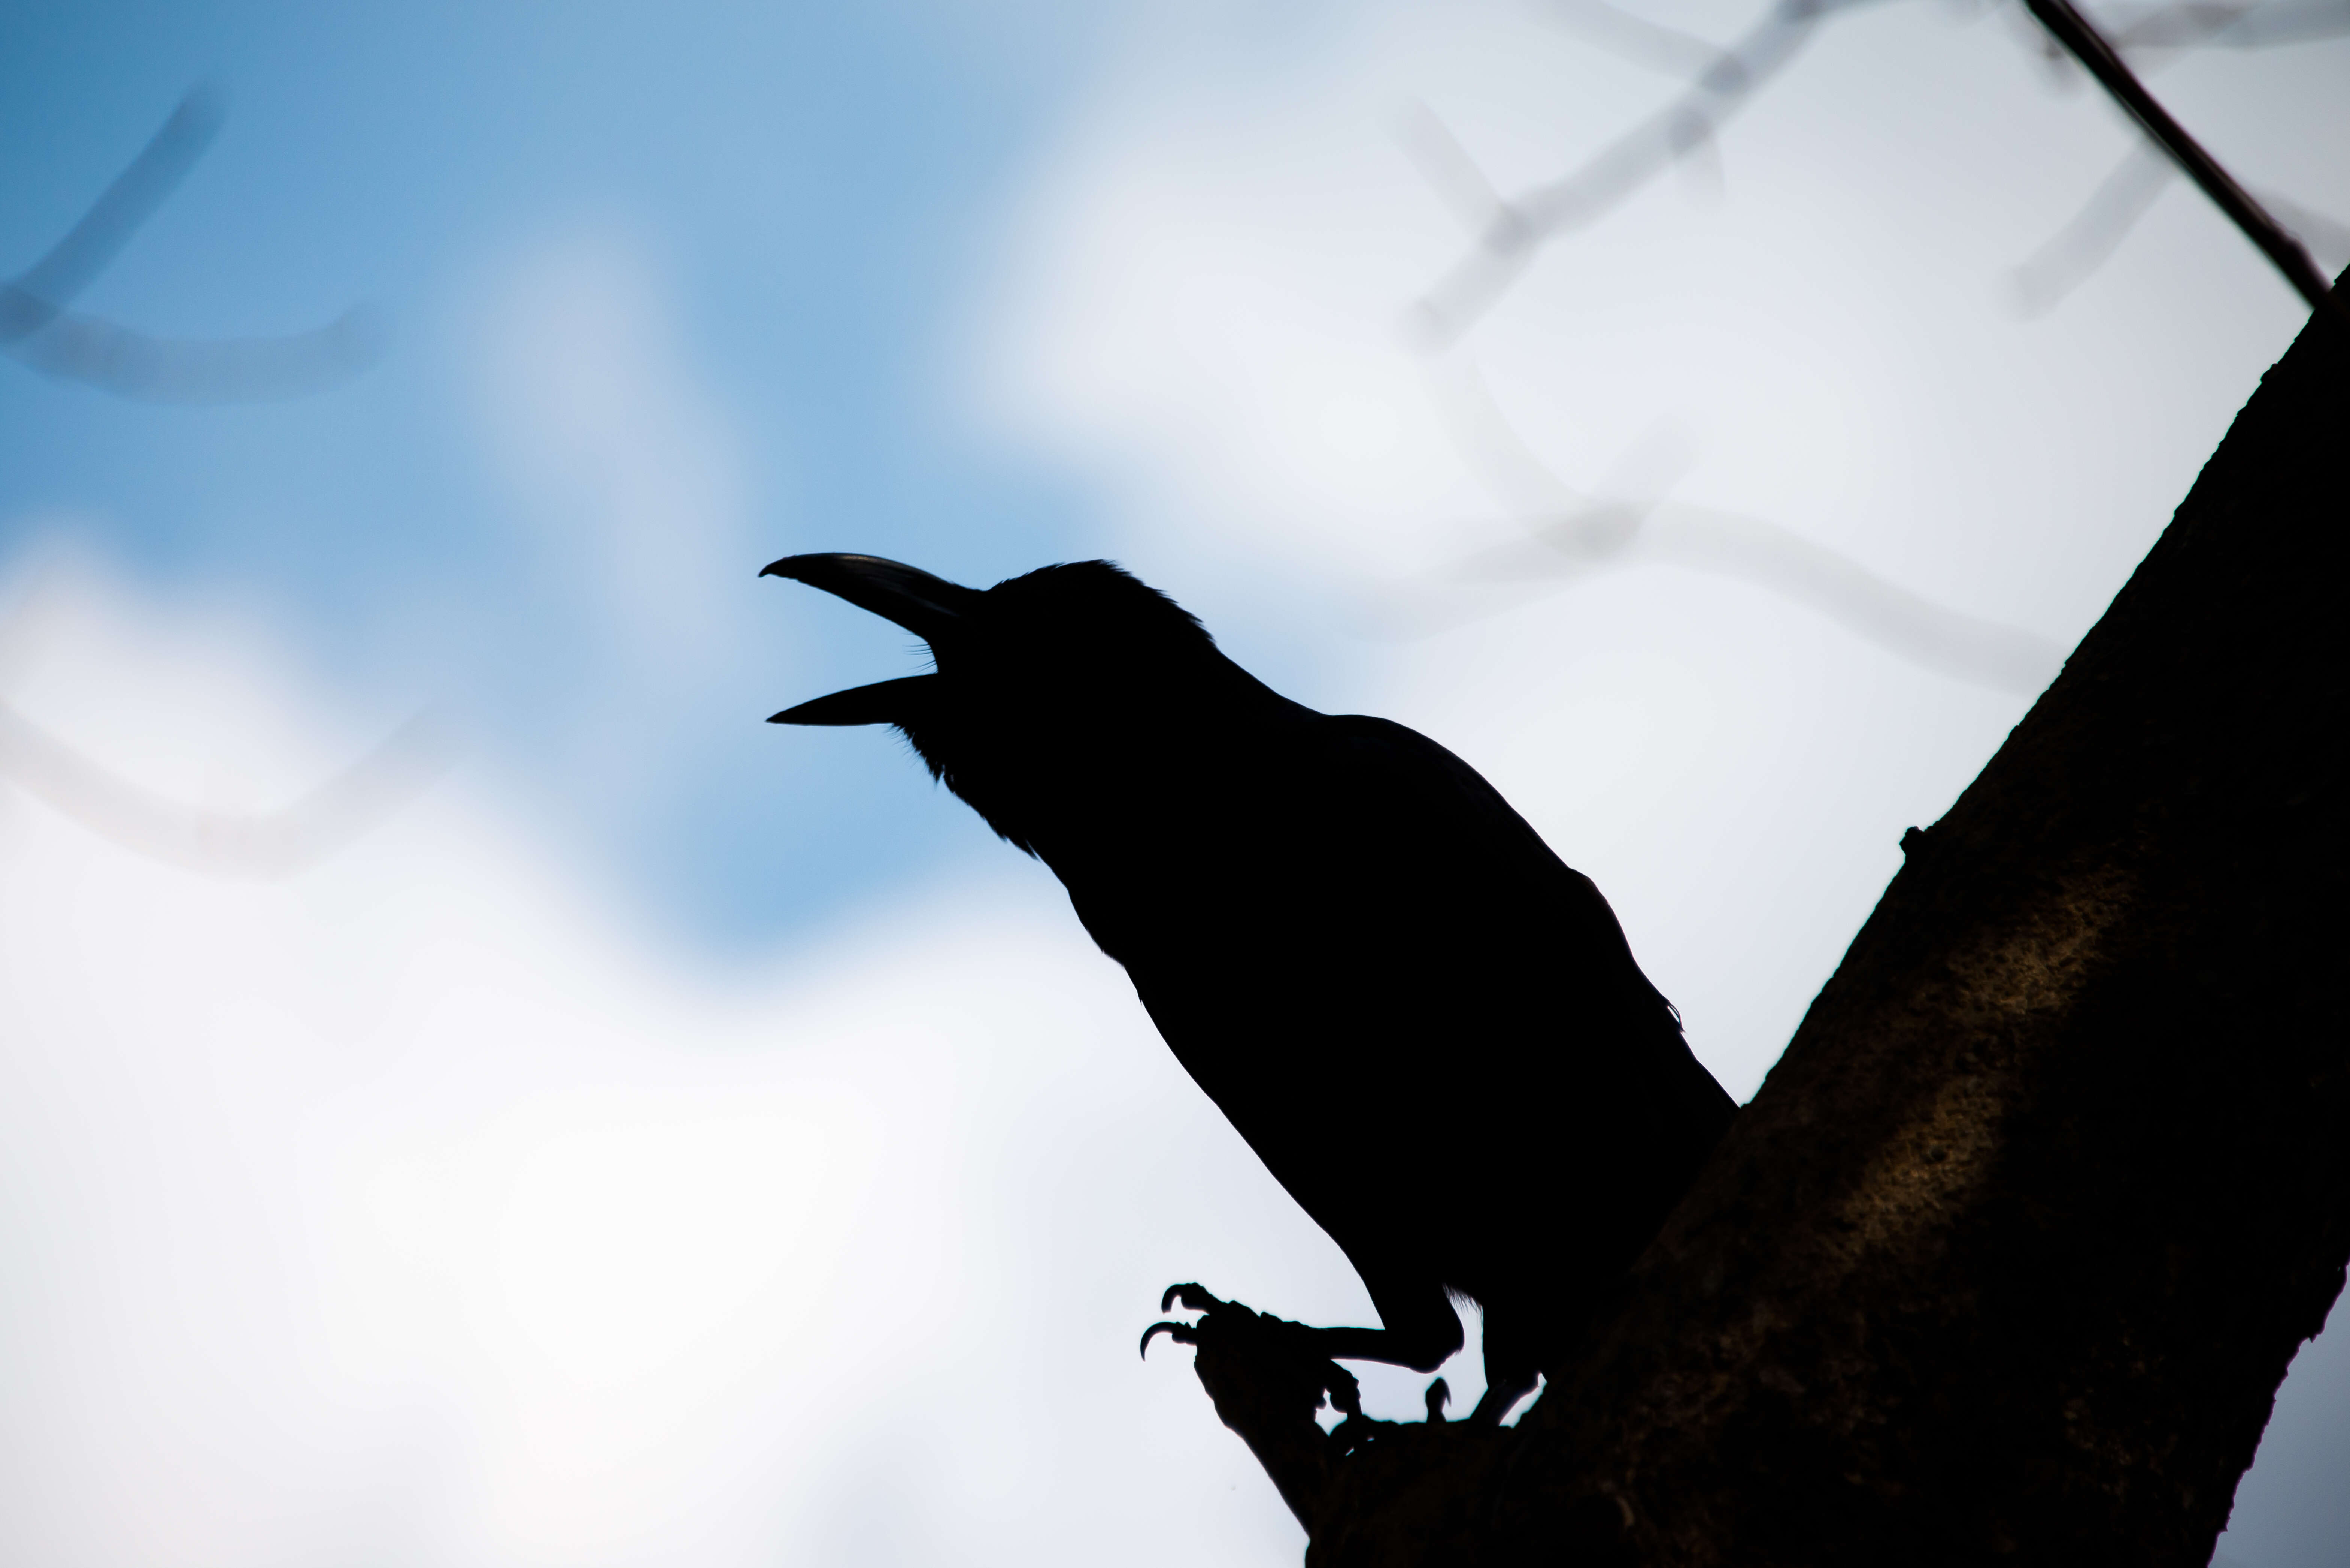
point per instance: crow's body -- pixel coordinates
(1349, 939)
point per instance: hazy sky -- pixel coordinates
(666, 1137)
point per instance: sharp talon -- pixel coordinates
(1181, 1333)
(1190, 1295)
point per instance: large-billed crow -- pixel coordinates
(1346, 936)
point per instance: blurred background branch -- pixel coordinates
(39, 330)
(2138, 31)
(1570, 536)
(1509, 232)
(261, 846)
(258, 845)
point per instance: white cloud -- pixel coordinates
(630, 477)
(600, 417)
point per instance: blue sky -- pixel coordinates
(816, 183)
(1728, 544)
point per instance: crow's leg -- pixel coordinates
(1422, 1330)
(1503, 1389)
(1510, 1367)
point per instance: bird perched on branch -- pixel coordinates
(1337, 925)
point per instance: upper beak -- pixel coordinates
(930, 608)
(926, 605)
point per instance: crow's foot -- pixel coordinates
(1271, 1357)
(1270, 1378)
(1194, 1299)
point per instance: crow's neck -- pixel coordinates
(1125, 783)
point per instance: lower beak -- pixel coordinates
(883, 703)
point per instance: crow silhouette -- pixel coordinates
(1342, 933)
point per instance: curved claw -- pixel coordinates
(1191, 1296)
(1181, 1333)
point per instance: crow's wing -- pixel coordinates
(1391, 985)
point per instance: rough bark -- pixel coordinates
(2008, 1255)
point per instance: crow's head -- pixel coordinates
(1042, 683)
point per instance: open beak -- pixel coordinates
(930, 608)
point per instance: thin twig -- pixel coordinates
(2069, 27)
(2149, 35)
(2327, 237)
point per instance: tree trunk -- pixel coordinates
(2008, 1257)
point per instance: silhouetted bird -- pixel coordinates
(1350, 940)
